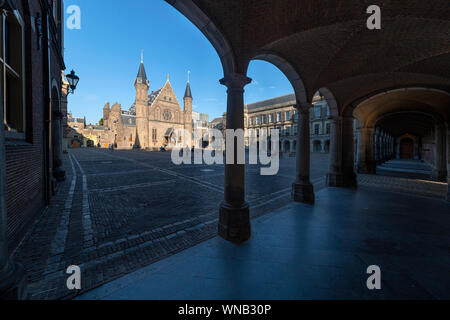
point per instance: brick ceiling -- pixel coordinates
(329, 46)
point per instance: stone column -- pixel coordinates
(397, 149)
(448, 161)
(341, 172)
(234, 217)
(302, 189)
(366, 161)
(440, 168)
(377, 146)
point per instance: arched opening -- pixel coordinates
(317, 146)
(327, 146)
(402, 133)
(407, 148)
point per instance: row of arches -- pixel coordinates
(358, 102)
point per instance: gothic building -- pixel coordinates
(152, 119)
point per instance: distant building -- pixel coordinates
(148, 124)
(280, 113)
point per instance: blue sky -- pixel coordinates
(105, 53)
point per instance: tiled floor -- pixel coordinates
(312, 252)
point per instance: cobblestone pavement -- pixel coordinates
(119, 211)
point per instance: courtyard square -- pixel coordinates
(121, 210)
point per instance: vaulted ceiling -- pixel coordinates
(327, 44)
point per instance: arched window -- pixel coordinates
(12, 71)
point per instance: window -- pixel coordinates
(251, 121)
(257, 120)
(154, 134)
(264, 119)
(317, 129)
(295, 115)
(279, 117)
(12, 71)
(317, 112)
(167, 115)
(328, 111)
(271, 118)
(328, 128)
(288, 116)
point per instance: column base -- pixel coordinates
(439, 175)
(303, 192)
(368, 167)
(234, 223)
(13, 283)
(342, 180)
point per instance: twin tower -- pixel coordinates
(159, 114)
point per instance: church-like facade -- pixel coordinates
(152, 119)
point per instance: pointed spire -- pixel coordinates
(142, 75)
(188, 93)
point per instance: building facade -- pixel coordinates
(31, 36)
(280, 113)
(149, 124)
(32, 63)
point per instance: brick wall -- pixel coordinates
(25, 160)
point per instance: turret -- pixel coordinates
(188, 108)
(142, 85)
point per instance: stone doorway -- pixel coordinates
(407, 149)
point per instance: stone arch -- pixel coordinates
(289, 72)
(331, 101)
(210, 31)
(408, 145)
(352, 107)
